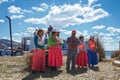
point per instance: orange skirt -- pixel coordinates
(82, 59)
(55, 57)
(38, 60)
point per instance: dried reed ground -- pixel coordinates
(17, 68)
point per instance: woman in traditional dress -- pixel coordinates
(92, 54)
(55, 58)
(82, 58)
(38, 57)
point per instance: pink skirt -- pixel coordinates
(82, 59)
(55, 57)
(38, 60)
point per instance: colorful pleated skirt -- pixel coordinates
(55, 58)
(92, 57)
(82, 59)
(38, 60)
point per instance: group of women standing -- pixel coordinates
(54, 52)
(87, 53)
(85, 56)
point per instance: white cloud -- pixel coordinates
(118, 37)
(38, 9)
(90, 2)
(16, 34)
(95, 15)
(67, 32)
(13, 9)
(78, 33)
(107, 39)
(110, 34)
(66, 15)
(44, 5)
(17, 39)
(26, 11)
(30, 30)
(17, 10)
(99, 27)
(17, 16)
(107, 34)
(109, 47)
(109, 43)
(34, 20)
(96, 5)
(5, 37)
(1, 21)
(113, 29)
(1, 1)
(80, 1)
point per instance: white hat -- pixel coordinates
(81, 35)
(55, 30)
(40, 29)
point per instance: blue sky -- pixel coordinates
(88, 17)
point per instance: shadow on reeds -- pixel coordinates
(96, 68)
(47, 74)
(78, 71)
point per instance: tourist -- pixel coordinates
(72, 43)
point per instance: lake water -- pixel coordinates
(108, 54)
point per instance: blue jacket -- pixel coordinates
(36, 42)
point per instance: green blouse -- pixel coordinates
(51, 41)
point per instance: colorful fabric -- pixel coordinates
(82, 59)
(92, 45)
(55, 58)
(92, 57)
(51, 41)
(72, 42)
(81, 46)
(38, 57)
(59, 40)
(38, 60)
(39, 42)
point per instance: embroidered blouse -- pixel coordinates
(39, 42)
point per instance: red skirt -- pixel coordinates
(82, 59)
(55, 57)
(38, 60)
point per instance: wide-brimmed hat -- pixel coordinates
(42, 29)
(39, 29)
(81, 36)
(55, 30)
